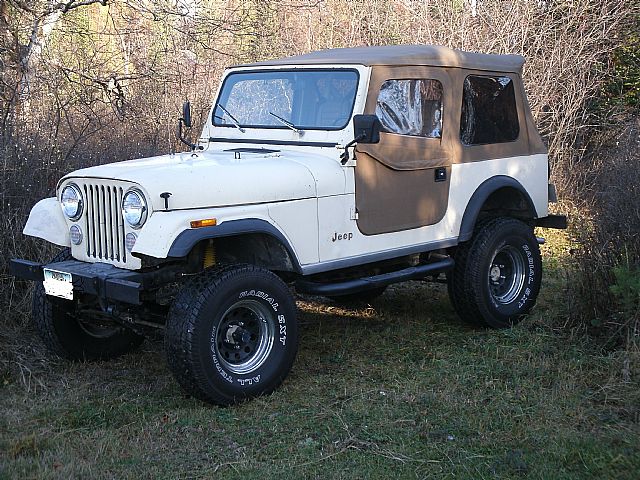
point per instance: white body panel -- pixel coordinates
(215, 179)
(47, 221)
(298, 222)
(335, 213)
(319, 229)
(162, 228)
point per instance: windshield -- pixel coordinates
(306, 99)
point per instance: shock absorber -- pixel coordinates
(209, 254)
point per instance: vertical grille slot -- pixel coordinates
(109, 222)
(104, 223)
(123, 252)
(87, 220)
(99, 225)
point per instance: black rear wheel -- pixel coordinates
(497, 275)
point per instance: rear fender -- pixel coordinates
(482, 194)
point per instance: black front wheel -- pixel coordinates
(497, 275)
(74, 335)
(231, 334)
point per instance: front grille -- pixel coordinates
(104, 222)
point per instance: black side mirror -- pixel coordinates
(186, 121)
(186, 114)
(366, 129)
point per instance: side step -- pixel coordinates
(382, 280)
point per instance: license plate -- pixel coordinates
(58, 284)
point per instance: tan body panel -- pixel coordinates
(391, 200)
(394, 179)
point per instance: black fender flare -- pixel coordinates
(187, 239)
(480, 196)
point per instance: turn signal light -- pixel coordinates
(207, 222)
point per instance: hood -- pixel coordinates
(213, 179)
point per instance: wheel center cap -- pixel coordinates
(494, 273)
(232, 334)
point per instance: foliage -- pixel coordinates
(626, 290)
(625, 86)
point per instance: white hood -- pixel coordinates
(216, 179)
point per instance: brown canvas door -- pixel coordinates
(402, 182)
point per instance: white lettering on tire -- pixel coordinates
(249, 381)
(260, 294)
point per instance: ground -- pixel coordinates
(397, 389)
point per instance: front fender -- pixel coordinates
(47, 221)
(169, 234)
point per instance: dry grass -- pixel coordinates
(398, 389)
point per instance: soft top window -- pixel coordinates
(307, 99)
(489, 113)
(411, 107)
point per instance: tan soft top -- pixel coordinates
(404, 55)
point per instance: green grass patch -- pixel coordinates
(399, 389)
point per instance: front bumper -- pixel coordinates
(105, 281)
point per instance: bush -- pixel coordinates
(85, 83)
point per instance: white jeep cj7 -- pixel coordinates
(336, 173)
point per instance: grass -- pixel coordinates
(400, 389)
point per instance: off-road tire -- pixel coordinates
(231, 334)
(70, 337)
(497, 274)
(455, 279)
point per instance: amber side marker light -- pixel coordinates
(207, 222)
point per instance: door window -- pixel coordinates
(411, 107)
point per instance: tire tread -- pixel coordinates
(467, 299)
(180, 335)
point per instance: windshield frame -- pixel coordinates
(292, 69)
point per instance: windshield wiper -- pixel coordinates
(286, 123)
(233, 119)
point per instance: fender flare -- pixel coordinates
(186, 240)
(480, 196)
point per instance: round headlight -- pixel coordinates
(71, 200)
(134, 208)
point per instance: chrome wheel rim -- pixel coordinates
(244, 337)
(506, 274)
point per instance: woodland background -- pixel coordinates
(84, 82)
(401, 389)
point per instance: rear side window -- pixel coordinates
(489, 113)
(411, 107)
